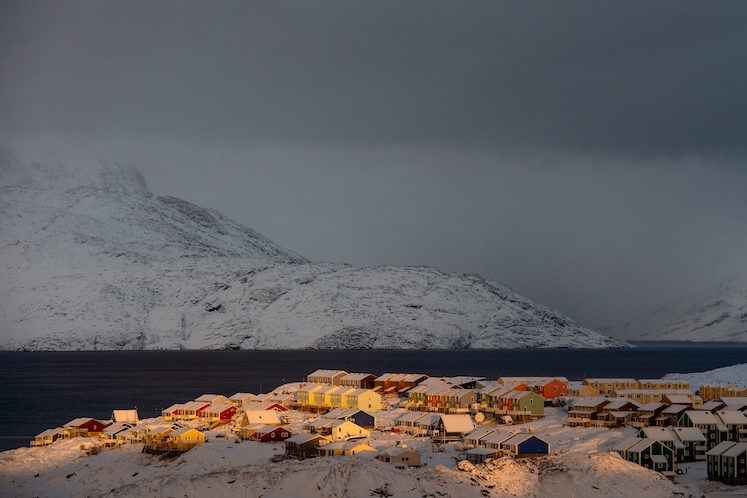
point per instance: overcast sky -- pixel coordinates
(590, 155)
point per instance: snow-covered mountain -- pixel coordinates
(92, 260)
(715, 314)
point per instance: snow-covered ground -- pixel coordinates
(581, 465)
(735, 374)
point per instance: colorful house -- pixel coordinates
(401, 457)
(652, 454)
(304, 445)
(525, 445)
(330, 377)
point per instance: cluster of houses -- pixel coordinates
(674, 424)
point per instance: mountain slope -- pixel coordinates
(717, 314)
(92, 260)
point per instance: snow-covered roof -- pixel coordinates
(482, 451)
(689, 434)
(642, 445)
(241, 396)
(327, 373)
(620, 402)
(457, 423)
(735, 450)
(701, 417)
(720, 448)
(304, 438)
(626, 444)
(479, 433)
(659, 433)
(50, 432)
(732, 417)
(356, 377)
(125, 416)
(651, 406)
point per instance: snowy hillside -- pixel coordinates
(716, 314)
(92, 260)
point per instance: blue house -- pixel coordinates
(525, 445)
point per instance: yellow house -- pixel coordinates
(321, 395)
(185, 439)
(336, 395)
(663, 384)
(304, 396)
(362, 399)
(580, 390)
(608, 385)
(345, 429)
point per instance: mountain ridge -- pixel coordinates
(93, 260)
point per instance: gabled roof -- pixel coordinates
(410, 416)
(397, 451)
(356, 377)
(212, 398)
(457, 423)
(125, 416)
(701, 417)
(79, 421)
(618, 403)
(304, 438)
(591, 402)
(116, 427)
(50, 432)
(689, 434)
(182, 431)
(642, 445)
(517, 439)
(219, 408)
(652, 406)
(480, 433)
(327, 373)
(720, 448)
(732, 417)
(626, 444)
(241, 396)
(735, 450)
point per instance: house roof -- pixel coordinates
(182, 431)
(701, 417)
(78, 421)
(397, 451)
(304, 438)
(116, 427)
(327, 373)
(732, 417)
(241, 396)
(457, 423)
(212, 398)
(125, 416)
(618, 403)
(659, 433)
(642, 445)
(219, 408)
(356, 377)
(689, 434)
(480, 433)
(520, 438)
(735, 450)
(651, 406)
(626, 444)
(50, 432)
(720, 448)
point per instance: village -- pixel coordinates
(403, 418)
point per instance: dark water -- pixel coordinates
(48, 389)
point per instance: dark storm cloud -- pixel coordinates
(622, 78)
(588, 154)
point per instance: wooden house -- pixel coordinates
(304, 445)
(213, 399)
(115, 434)
(189, 411)
(337, 395)
(426, 425)
(172, 413)
(321, 397)
(549, 387)
(358, 380)
(664, 384)
(345, 429)
(266, 405)
(185, 439)
(678, 399)
(362, 399)
(360, 417)
(457, 399)
(653, 455)
(714, 463)
(476, 437)
(452, 427)
(671, 415)
(345, 448)
(712, 406)
(329, 377)
(525, 445)
(524, 403)
(735, 423)
(585, 411)
(647, 414)
(269, 433)
(240, 399)
(85, 427)
(481, 454)
(128, 416)
(608, 385)
(694, 443)
(580, 390)
(623, 446)
(734, 466)
(401, 457)
(304, 395)
(711, 426)
(406, 422)
(265, 417)
(217, 414)
(48, 437)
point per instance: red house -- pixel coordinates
(550, 388)
(271, 433)
(84, 427)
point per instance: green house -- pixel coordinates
(652, 454)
